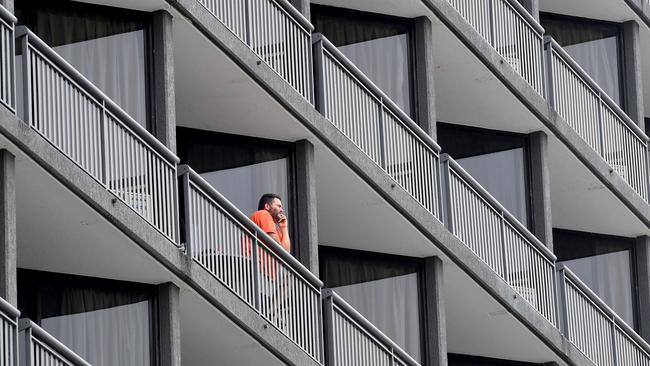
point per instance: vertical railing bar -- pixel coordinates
(27, 76)
(256, 274)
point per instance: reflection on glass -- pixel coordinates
(390, 304)
(609, 276)
(385, 61)
(244, 185)
(106, 337)
(502, 174)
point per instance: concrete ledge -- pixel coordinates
(380, 181)
(539, 107)
(148, 238)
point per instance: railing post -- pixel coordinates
(502, 233)
(104, 144)
(601, 129)
(176, 207)
(27, 76)
(445, 187)
(328, 327)
(185, 191)
(548, 56)
(256, 274)
(563, 311)
(613, 340)
(647, 172)
(382, 136)
(492, 25)
(26, 344)
(12, 79)
(319, 73)
(249, 24)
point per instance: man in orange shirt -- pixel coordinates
(271, 219)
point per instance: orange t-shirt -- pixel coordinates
(264, 220)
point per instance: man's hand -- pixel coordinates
(282, 221)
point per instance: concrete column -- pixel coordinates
(642, 252)
(169, 325)
(8, 4)
(425, 96)
(633, 78)
(164, 97)
(302, 6)
(532, 6)
(8, 247)
(307, 239)
(540, 188)
(435, 350)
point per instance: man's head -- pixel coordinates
(272, 203)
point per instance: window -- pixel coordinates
(380, 46)
(109, 46)
(602, 262)
(384, 289)
(241, 168)
(105, 322)
(497, 160)
(594, 45)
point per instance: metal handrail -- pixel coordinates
(8, 309)
(250, 225)
(6, 15)
(549, 41)
(90, 88)
(286, 5)
(46, 338)
(367, 325)
(499, 207)
(375, 90)
(602, 306)
(526, 15)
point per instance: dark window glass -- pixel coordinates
(465, 360)
(594, 45)
(602, 262)
(107, 45)
(105, 322)
(241, 168)
(384, 289)
(380, 46)
(497, 160)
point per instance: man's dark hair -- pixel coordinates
(267, 198)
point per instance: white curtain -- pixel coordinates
(107, 337)
(386, 62)
(599, 59)
(391, 304)
(115, 64)
(243, 186)
(502, 174)
(609, 276)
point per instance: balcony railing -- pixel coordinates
(8, 334)
(513, 33)
(596, 118)
(376, 125)
(351, 340)
(7, 63)
(275, 31)
(85, 125)
(251, 264)
(39, 348)
(499, 239)
(594, 328)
